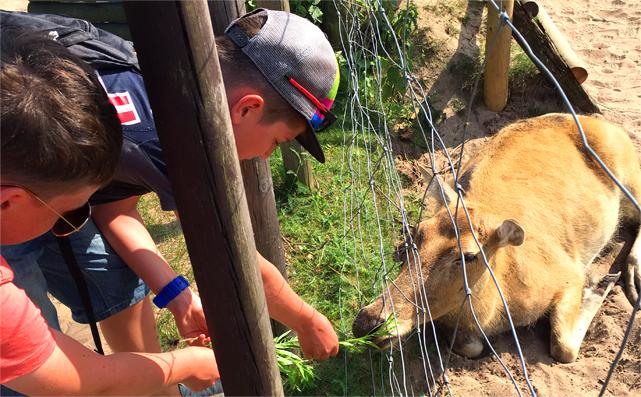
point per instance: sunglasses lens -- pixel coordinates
(71, 221)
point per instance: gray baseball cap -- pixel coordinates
(299, 63)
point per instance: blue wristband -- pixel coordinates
(170, 291)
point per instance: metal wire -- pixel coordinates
(361, 43)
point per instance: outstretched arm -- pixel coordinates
(123, 227)
(315, 333)
(72, 369)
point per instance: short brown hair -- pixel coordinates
(239, 70)
(57, 127)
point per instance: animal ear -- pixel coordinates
(435, 185)
(510, 233)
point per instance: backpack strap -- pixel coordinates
(83, 290)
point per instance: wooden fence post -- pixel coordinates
(177, 54)
(222, 12)
(545, 49)
(497, 58)
(293, 159)
(257, 174)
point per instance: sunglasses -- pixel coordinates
(328, 117)
(68, 223)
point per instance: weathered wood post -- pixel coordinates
(497, 58)
(575, 63)
(222, 12)
(546, 49)
(257, 174)
(293, 159)
(177, 54)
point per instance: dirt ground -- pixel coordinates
(606, 34)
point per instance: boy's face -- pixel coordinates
(254, 137)
(23, 217)
(260, 140)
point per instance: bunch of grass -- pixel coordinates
(298, 373)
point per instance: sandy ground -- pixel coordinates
(606, 34)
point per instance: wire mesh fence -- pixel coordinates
(378, 212)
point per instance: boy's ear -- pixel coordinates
(248, 108)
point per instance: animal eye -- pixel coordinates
(469, 257)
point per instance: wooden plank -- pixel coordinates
(257, 177)
(177, 55)
(257, 174)
(544, 49)
(222, 12)
(330, 24)
(497, 58)
(575, 63)
(92, 12)
(281, 5)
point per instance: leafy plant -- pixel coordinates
(298, 373)
(309, 9)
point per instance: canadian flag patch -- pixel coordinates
(125, 107)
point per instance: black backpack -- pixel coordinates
(99, 48)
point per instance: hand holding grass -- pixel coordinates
(298, 373)
(317, 337)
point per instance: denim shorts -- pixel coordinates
(39, 266)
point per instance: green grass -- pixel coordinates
(327, 263)
(520, 64)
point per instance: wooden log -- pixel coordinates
(281, 5)
(297, 165)
(545, 50)
(257, 174)
(177, 54)
(293, 160)
(331, 23)
(222, 12)
(92, 12)
(575, 63)
(497, 55)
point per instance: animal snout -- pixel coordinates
(365, 322)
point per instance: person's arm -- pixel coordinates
(72, 369)
(124, 229)
(316, 335)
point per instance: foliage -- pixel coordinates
(309, 9)
(520, 63)
(298, 373)
(382, 75)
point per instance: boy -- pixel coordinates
(60, 142)
(264, 113)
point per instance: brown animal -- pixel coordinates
(542, 210)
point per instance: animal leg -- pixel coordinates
(572, 315)
(633, 271)
(467, 343)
